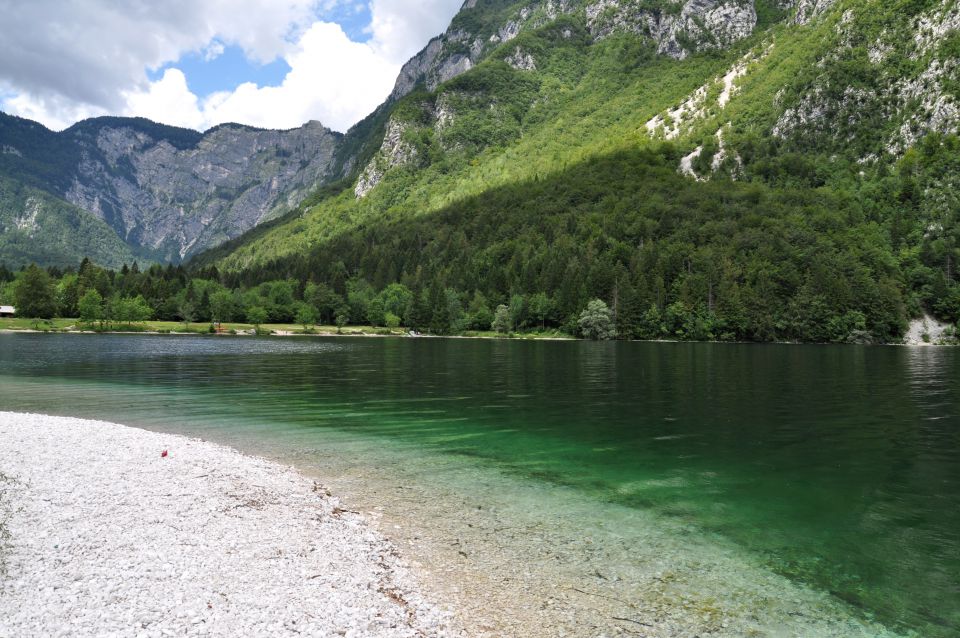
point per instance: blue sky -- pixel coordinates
(229, 69)
(224, 67)
(198, 63)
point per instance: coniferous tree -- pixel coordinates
(629, 312)
(418, 314)
(439, 310)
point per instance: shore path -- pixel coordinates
(103, 535)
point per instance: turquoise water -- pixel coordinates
(836, 466)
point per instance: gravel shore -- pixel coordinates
(106, 536)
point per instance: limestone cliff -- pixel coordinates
(676, 28)
(177, 201)
(167, 192)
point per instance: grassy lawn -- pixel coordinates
(178, 327)
(74, 325)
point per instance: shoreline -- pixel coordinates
(511, 558)
(284, 333)
(519, 338)
(107, 535)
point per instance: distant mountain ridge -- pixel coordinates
(168, 192)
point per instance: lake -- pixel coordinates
(835, 468)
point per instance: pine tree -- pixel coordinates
(439, 310)
(418, 315)
(629, 311)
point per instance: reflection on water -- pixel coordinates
(836, 466)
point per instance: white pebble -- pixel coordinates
(207, 541)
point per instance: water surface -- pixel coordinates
(836, 466)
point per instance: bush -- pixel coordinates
(501, 320)
(596, 321)
(391, 320)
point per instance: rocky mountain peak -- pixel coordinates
(677, 28)
(166, 191)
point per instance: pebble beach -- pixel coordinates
(104, 534)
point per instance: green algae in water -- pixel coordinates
(838, 467)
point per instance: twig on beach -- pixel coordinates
(642, 624)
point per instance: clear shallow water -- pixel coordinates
(838, 467)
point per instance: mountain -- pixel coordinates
(743, 169)
(166, 192)
(38, 227)
(739, 169)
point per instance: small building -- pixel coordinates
(7, 311)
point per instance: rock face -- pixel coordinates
(175, 201)
(928, 331)
(808, 10)
(521, 60)
(417, 68)
(918, 103)
(393, 152)
(699, 25)
(678, 30)
(167, 192)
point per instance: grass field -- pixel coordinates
(74, 325)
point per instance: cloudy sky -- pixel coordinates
(197, 63)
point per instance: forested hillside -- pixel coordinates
(793, 182)
(35, 226)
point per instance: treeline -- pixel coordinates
(102, 297)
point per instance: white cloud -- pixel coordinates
(331, 79)
(89, 51)
(213, 51)
(401, 28)
(167, 100)
(52, 111)
(63, 61)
